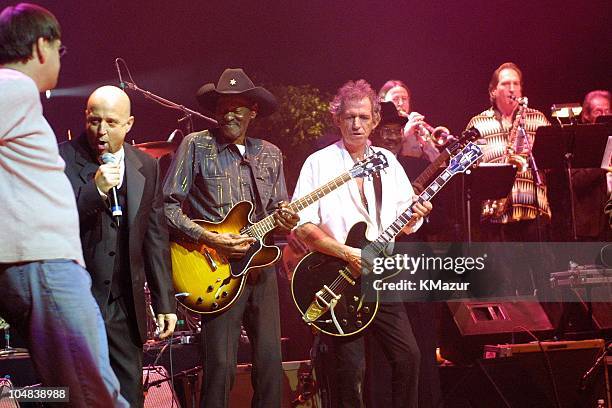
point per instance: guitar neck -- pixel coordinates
(263, 227)
(426, 175)
(394, 229)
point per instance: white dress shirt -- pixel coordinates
(339, 210)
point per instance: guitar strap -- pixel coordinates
(378, 199)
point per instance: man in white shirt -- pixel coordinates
(325, 226)
(44, 289)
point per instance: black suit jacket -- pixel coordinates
(149, 255)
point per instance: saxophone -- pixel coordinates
(517, 139)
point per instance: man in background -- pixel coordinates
(596, 103)
(524, 215)
(416, 141)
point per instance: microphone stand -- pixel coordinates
(586, 377)
(188, 114)
(538, 184)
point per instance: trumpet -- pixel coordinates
(439, 135)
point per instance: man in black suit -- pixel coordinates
(121, 252)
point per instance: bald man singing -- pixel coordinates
(121, 252)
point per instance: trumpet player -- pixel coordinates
(509, 127)
(417, 134)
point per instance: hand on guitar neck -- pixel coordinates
(285, 218)
(419, 210)
(227, 244)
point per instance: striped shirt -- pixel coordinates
(520, 205)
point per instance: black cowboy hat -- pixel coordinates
(233, 81)
(389, 114)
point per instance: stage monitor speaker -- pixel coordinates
(158, 388)
(469, 325)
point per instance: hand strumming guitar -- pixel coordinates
(227, 244)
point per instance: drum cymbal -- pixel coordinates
(157, 149)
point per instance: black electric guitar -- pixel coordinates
(209, 283)
(324, 290)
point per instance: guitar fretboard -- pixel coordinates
(377, 246)
(261, 228)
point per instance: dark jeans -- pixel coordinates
(257, 309)
(51, 305)
(391, 328)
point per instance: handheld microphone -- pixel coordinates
(115, 207)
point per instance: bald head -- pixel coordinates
(110, 96)
(108, 119)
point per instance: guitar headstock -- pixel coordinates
(370, 165)
(469, 135)
(463, 160)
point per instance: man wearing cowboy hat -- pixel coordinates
(211, 172)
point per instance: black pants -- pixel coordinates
(257, 310)
(393, 331)
(125, 350)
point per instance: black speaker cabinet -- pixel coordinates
(469, 325)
